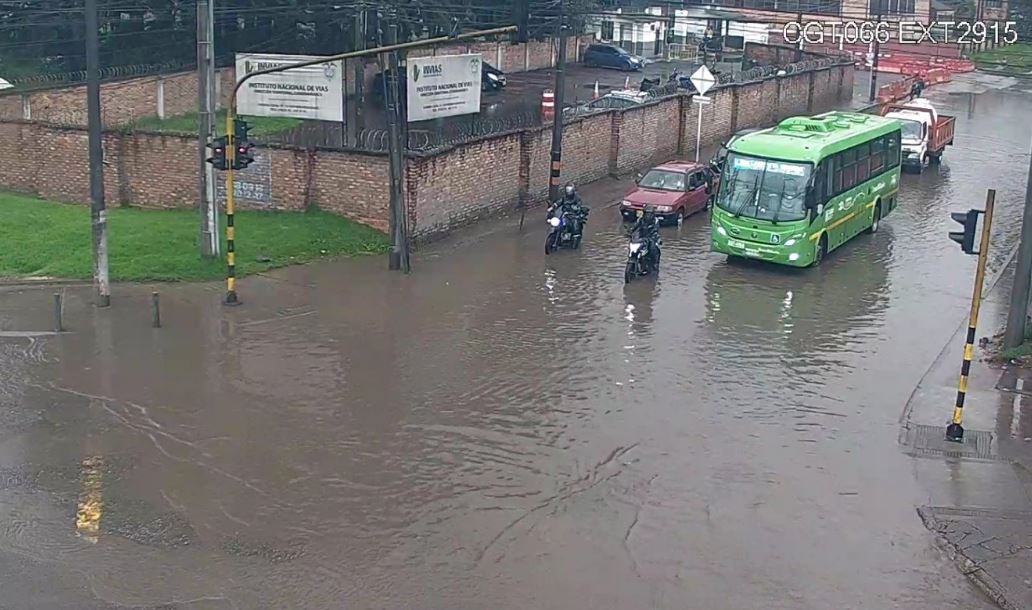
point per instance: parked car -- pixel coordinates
(491, 79)
(610, 56)
(613, 99)
(677, 189)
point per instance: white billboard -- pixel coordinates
(314, 92)
(446, 85)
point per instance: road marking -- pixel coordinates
(1016, 411)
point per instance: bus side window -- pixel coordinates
(877, 156)
(863, 162)
(848, 169)
(820, 184)
(836, 181)
(829, 177)
(892, 150)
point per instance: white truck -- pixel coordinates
(926, 133)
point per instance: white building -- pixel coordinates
(641, 34)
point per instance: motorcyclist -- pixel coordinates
(571, 204)
(647, 226)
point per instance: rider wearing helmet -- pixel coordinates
(647, 226)
(572, 205)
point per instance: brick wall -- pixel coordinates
(776, 54)
(121, 102)
(160, 171)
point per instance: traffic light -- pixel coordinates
(966, 238)
(244, 149)
(218, 153)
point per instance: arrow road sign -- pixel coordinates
(703, 80)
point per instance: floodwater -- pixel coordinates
(502, 429)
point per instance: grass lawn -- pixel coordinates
(43, 238)
(1016, 58)
(187, 124)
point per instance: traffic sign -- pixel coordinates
(703, 80)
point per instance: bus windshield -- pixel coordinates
(764, 189)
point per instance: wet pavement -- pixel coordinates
(503, 429)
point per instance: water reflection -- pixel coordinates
(91, 499)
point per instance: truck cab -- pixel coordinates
(925, 133)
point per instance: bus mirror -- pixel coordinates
(819, 209)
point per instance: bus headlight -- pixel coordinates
(790, 243)
(793, 256)
(721, 230)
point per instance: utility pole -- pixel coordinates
(399, 247)
(209, 240)
(359, 72)
(98, 215)
(874, 59)
(1014, 335)
(557, 124)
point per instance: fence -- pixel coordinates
(424, 140)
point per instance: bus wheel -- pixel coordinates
(875, 219)
(822, 250)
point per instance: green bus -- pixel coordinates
(794, 192)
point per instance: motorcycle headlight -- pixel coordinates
(634, 248)
(554, 221)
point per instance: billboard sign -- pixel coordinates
(443, 86)
(313, 92)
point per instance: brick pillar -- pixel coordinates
(811, 77)
(734, 108)
(614, 143)
(523, 188)
(161, 97)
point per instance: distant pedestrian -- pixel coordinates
(917, 88)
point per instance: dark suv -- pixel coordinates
(609, 56)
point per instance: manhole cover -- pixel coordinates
(931, 441)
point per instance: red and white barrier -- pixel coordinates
(547, 105)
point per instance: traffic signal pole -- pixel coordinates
(955, 430)
(231, 146)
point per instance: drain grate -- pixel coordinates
(930, 441)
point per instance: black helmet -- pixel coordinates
(570, 190)
(650, 211)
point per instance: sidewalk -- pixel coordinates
(979, 492)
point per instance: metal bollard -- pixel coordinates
(58, 310)
(156, 310)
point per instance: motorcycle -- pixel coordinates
(642, 259)
(563, 229)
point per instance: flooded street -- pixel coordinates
(503, 429)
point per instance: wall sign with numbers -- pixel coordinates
(252, 185)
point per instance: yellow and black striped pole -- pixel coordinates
(955, 430)
(231, 295)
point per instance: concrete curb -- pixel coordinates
(967, 567)
(25, 282)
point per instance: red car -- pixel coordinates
(677, 189)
